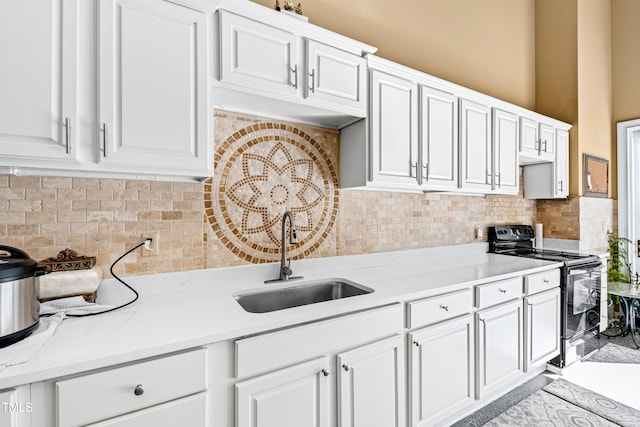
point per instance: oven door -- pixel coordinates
(583, 289)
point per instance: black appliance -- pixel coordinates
(580, 289)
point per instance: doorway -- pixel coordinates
(629, 187)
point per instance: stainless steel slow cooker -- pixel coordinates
(18, 303)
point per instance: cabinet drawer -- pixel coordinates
(439, 308)
(498, 292)
(534, 283)
(105, 394)
(189, 411)
(271, 351)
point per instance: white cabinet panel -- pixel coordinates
(38, 81)
(189, 411)
(393, 130)
(547, 139)
(561, 166)
(500, 341)
(335, 76)
(258, 55)
(153, 106)
(542, 326)
(475, 143)
(442, 371)
(529, 142)
(506, 179)
(438, 139)
(371, 385)
(292, 397)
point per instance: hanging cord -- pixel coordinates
(115, 276)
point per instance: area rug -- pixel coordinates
(613, 353)
(564, 404)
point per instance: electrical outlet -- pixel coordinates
(152, 248)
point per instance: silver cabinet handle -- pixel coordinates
(325, 372)
(545, 145)
(444, 307)
(294, 84)
(561, 185)
(104, 140)
(346, 367)
(67, 134)
(426, 171)
(312, 74)
(139, 390)
(499, 179)
(413, 166)
(545, 280)
(504, 291)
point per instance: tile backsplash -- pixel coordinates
(262, 168)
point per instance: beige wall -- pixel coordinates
(485, 45)
(625, 42)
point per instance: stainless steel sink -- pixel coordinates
(300, 294)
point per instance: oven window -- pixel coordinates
(583, 300)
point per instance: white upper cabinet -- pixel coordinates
(257, 55)
(153, 104)
(438, 129)
(393, 131)
(266, 58)
(550, 180)
(335, 76)
(537, 141)
(38, 82)
(475, 146)
(506, 179)
(561, 166)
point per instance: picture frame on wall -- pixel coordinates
(596, 176)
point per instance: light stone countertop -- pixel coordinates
(177, 311)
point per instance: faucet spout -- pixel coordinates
(285, 263)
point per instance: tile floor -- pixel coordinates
(590, 375)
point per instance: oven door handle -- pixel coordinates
(587, 270)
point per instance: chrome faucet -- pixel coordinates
(285, 264)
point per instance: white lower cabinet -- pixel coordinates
(371, 385)
(292, 397)
(152, 390)
(542, 327)
(349, 370)
(15, 407)
(442, 371)
(500, 342)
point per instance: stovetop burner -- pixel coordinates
(517, 240)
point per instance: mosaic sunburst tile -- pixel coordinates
(261, 171)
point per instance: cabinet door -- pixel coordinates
(475, 131)
(371, 385)
(259, 56)
(38, 47)
(153, 104)
(335, 77)
(506, 179)
(529, 143)
(499, 360)
(438, 139)
(441, 371)
(190, 411)
(547, 139)
(393, 131)
(542, 326)
(561, 166)
(291, 397)
(16, 407)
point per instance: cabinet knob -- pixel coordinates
(545, 280)
(325, 372)
(346, 367)
(504, 291)
(444, 307)
(139, 390)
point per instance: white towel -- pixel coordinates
(71, 305)
(22, 351)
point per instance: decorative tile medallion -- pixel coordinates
(260, 172)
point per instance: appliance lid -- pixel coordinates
(15, 264)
